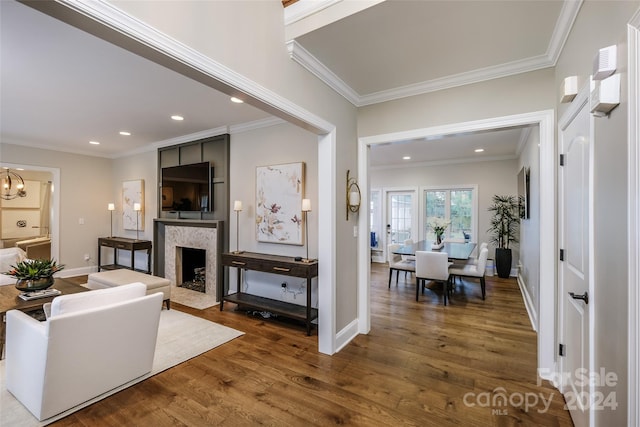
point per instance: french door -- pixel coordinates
(401, 223)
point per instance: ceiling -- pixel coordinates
(61, 87)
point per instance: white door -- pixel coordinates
(574, 268)
(400, 217)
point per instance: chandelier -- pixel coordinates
(11, 185)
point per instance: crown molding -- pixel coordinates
(568, 15)
(317, 68)
(303, 9)
(561, 31)
(442, 162)
(255, 125)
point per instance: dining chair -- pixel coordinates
(474, 260)
(432, 266)
(397, 263)
(408, 242)
(474, 270)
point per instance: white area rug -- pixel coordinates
(193, 299)
(180, 338)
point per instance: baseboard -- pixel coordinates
(81, 271)
(528, 304)
(347, 334)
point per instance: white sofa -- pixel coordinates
(91, 343)
(9, 257)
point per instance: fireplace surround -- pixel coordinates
(172, 234)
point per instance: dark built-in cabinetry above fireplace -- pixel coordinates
(213, 150)
(191, 198)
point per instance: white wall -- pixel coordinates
(283, 143)
(529, 272)
(600, 24)
(142, 166)
(494, 177)
(248, 38)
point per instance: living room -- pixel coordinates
(88, 184)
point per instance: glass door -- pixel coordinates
(400, 217)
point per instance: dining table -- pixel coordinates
(454, 250)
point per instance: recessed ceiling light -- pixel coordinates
(177, 118)
(406, 158)
(125, 133)
(236, 100)
(94, 143)
(479, 150)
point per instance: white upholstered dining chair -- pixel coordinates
(432, 266)
(474, 270)
(396, 263)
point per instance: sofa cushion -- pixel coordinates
(97, 298)
(9, 257)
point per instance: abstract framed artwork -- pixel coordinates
(132, 192)
(279, 192)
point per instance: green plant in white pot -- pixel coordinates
(504, 230)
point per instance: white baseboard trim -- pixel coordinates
(81, 271)
(528, 303)
(345, 336)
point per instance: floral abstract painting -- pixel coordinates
(279, 193)
(132, 192)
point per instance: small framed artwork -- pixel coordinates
(132, 192)
(279, 193)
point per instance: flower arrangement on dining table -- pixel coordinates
(438, 225)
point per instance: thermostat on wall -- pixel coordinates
(605, 95)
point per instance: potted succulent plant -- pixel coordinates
(504, 228)
(34, 274)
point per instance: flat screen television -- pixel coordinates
(187, 188)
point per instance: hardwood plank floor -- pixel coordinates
(422, 364)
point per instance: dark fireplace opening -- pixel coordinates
(193, 275)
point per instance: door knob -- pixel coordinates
(584, 297)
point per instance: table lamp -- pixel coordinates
(136, 207)
(111, 207)
(306, 208)
(237, 206)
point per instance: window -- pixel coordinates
(455, 204)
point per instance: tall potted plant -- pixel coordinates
(504, 229)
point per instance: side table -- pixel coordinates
(123, 243)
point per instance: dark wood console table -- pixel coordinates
(275, 264)
(131, 245)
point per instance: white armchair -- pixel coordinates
(91, 343)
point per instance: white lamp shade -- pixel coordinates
(136, 206)
(306, 205)
(237, 205)
(111, 206)
(354, 198)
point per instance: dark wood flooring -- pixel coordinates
(472, 363)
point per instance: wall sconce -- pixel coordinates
(306, 208)
(111, 207)
(136, 208)
(353, 195)
(237, 206)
